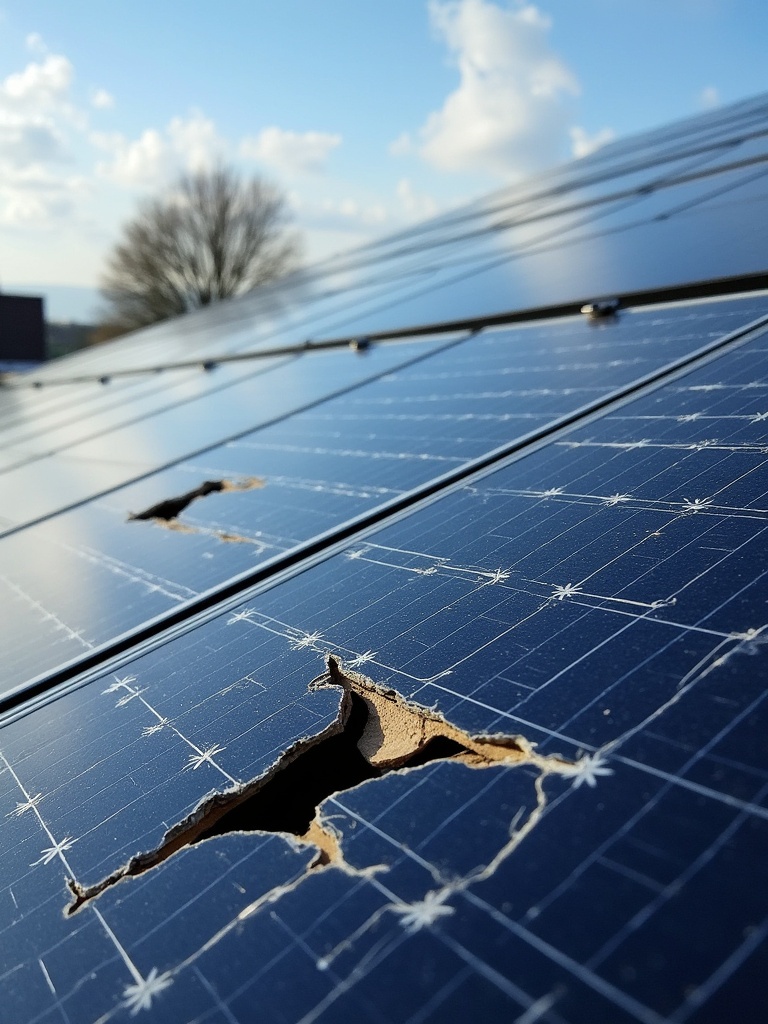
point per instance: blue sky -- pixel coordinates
(370, 114)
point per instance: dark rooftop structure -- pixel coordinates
(22, 330)
(389, 645)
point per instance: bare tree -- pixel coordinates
(210, 236)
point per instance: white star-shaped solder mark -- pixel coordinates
(50, 852)
(203, 757)
(423, 913)
(140, 996)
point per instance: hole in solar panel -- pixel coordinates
(376, 732)
(171, 508)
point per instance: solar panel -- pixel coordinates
(315, 471)
(137, 441)
(423, 687)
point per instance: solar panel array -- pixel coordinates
(520, 565)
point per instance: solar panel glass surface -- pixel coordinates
(596, 596)
(314, 472)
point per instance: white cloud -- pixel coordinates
(35, 198)
(582, 144)
(37, 119)
(38, 85)
(102, 100)
(402, 146)
(709, 97)
(35, 43)
(415, 206)
(24, 141)
(195, 141)
(509, 114)
(186, 144)
(345, 214)
(357, 219)
(141, 162)
(368, 214)
(291, 152)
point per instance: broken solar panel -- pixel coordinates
(563, 367)
(113, 454)
(271, 491)
(442, 698)
(596, 598)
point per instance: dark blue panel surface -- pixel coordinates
(605, 597)
(92, 409)
(191, 419)
(318, 470)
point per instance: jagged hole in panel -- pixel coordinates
(377, 731)
(171, 508)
